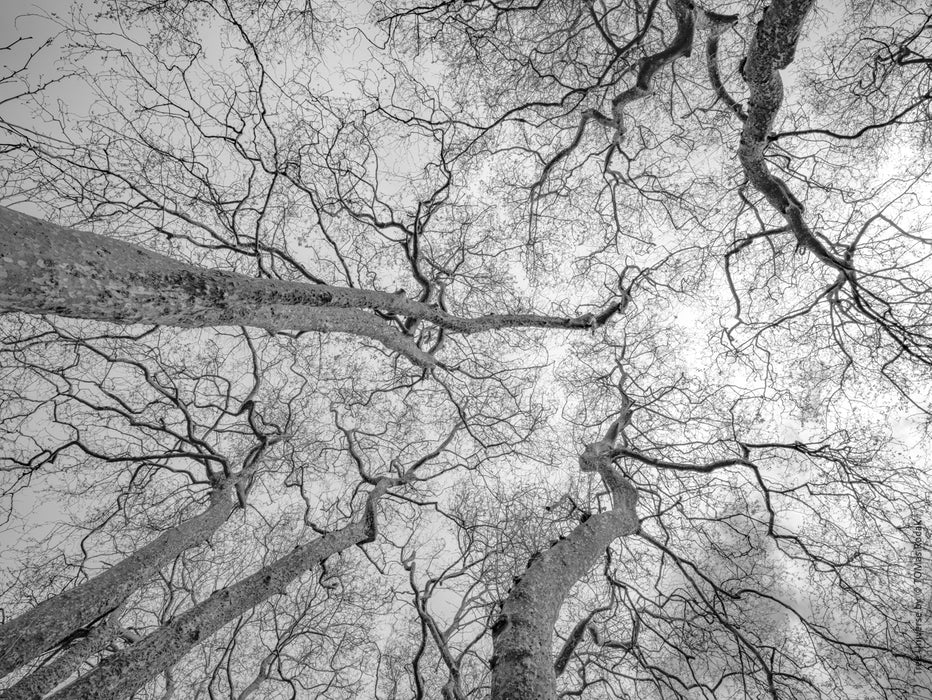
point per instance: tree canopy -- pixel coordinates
(512, 349)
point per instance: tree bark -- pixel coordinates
(772, 48)
(50, 269)
(37, 684)
(54, 620)
(681, 45)
(522, 636)
(120, 675)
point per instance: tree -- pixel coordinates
(222, 486)
(48, 269)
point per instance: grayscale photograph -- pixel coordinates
(466, 350)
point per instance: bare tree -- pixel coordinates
(48, 269)
(523, 635)
(287, 402)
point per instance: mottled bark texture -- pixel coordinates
(66, 663)
(772, 48)
(522, 636)
(53, 621)
(50, 269)
(126, 671)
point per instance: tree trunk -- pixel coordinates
(522, 636)
(123, 673)
(772, 49)
(49, 269)
(37, 684)
(52, 621)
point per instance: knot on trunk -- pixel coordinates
(596, 457)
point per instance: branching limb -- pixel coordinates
(452, 688)
(772, 49)
(45, 268)
(522, 636)
(574, 638)
(681, 45)
(720, 24)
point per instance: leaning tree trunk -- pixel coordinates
(54, 620)
(522, 636)
(45, 678)
(49, 269)
(120, 675)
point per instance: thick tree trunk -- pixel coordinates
(123, 673)
(37, 684)
(772, 48)
(522, 637)
(54, 620)
(49, 269)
